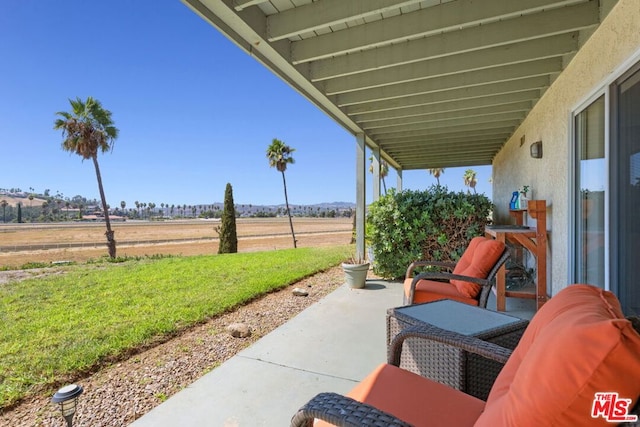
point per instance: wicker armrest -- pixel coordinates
(424, 263)
(468, 343)
(343, 411)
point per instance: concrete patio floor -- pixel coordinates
(330, 346)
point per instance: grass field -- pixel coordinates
(57, 327)
(76, 318)
(137, 238)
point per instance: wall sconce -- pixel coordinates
(536, 150)
(67, 398)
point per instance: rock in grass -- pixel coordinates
(239, 330)
(299, 292)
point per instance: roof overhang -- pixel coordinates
(431, 83)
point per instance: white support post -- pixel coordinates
(361, 168)
(376, 173)
(399, 181)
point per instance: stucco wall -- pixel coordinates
(615, 41)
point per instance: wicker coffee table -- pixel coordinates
(447, 364)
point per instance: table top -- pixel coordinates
(507, 227)
(513, 229)
(457, 317)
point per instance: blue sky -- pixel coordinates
(193, 110)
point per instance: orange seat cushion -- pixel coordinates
(415, 399)
(477, 261)
(430, 290)
(578, 344)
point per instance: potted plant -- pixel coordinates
(355, 271)
(523, 200)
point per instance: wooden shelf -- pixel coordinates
(534, 240)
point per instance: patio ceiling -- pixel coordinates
(432, 83)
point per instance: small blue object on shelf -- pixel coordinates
(513, 204)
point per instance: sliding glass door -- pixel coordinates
(606, 191)
(590, 194)
(625, 177)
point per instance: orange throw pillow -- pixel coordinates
(577, 345)
(477, 261)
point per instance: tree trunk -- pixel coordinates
(111, 241)
(286, 201)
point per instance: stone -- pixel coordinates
(239, 330)
(299, 292)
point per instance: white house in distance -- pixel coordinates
(437, 83)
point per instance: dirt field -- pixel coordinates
(169, 237)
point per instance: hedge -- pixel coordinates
(432, 224)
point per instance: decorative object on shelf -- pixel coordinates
(513, 204)
(522, 199)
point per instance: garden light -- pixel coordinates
(67, 398)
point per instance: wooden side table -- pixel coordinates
(535, 240)
(444, 363)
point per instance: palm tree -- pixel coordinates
(470, 179)
(384, 171)
(4, 204)
(436, 172)
(123, 204)
(30, 207)
(279, 156)
(87, 129)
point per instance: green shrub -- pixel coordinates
(432, 224)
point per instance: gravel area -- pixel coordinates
(119, 394)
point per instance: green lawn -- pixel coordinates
(56, 327)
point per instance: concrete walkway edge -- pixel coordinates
(329, 346)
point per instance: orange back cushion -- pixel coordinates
(578, 344)
(477, 261)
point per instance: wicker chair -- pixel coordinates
(604, 356)
(344, 411)
(468, 281)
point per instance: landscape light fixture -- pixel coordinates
(67, 398)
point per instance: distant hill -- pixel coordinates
(13, 200)
(325, 205)
(23, 197)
